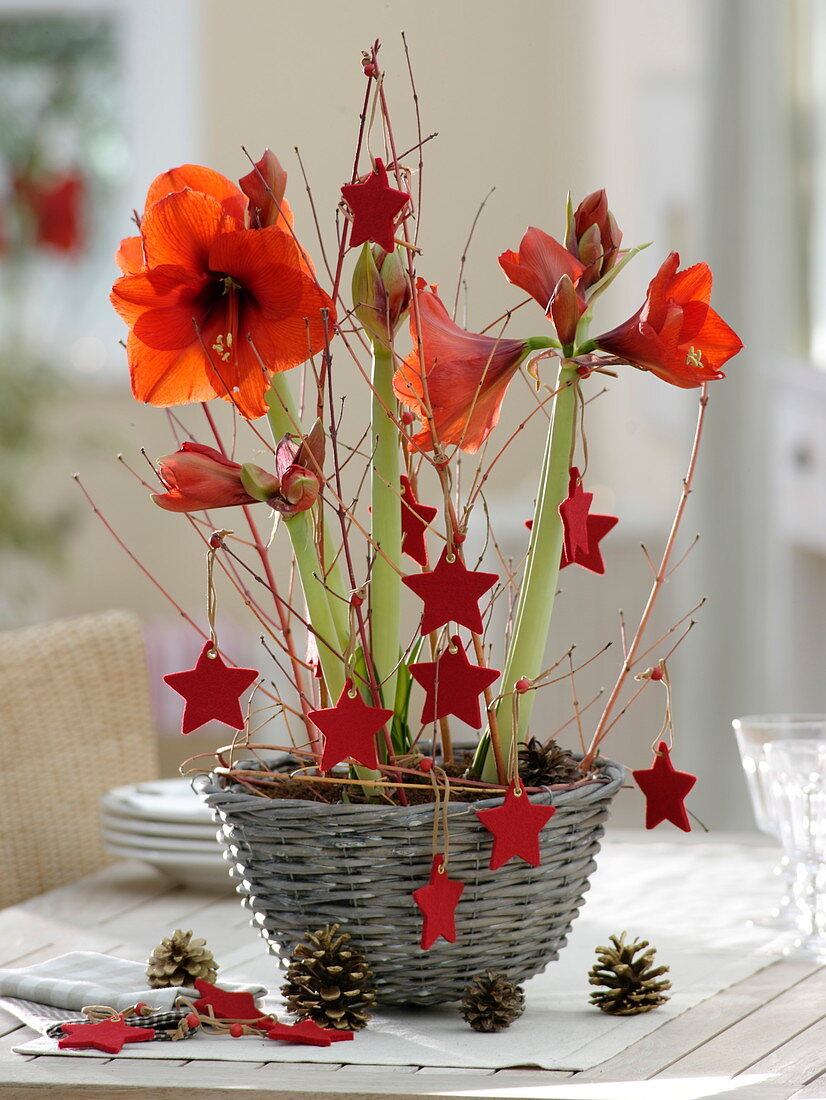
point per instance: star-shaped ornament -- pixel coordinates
(437, 902)
(349, 729)
(212, 691)
(574, 514)
(453, 685)
(451, 593)
(665, 790)
(375, 206)
(308, 1033)
(108, 1036)
(415, 520)
(225, 1004)
(598, 528)
(516, 826)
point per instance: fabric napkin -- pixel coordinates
(82, 978)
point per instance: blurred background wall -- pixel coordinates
(703, 121)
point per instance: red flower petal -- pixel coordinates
(197, 178)
(181, 228)
(539, 265)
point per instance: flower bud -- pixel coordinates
(566, 309)
(257, 482)
(594, 237)
(381, 292)
(264, 186)
(299, 489)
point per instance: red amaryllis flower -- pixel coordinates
(454, 380)
(676, 334)
(539, 265)
(198, 478)
(205, 287)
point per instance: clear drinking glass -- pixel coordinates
(753, 733)
(796, 772)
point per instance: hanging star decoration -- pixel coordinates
(451, 593)
(415, 520)
(212, 690)
(665, 790)
(598, 528)
(107, 1035)
(375, 206)
(226, 1005)
(437, 902)
(516, 826)
(349, 729)
(453, 685)
(308, 1033)
(574, 514)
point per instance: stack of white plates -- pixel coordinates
(164, 823)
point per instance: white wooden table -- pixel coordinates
(764, 1037)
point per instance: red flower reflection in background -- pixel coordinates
(676, 334)
(56, 209)
(199, 286)
(455, 381)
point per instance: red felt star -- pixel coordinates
(375, 205)
(212, 690)
(598, 528)
(516, 826)
(451, 593)
(108, 1036)
(453, 685)
(349, 729)
(574, 514)
(438, 901)
(415, 518)
(308, 1033)
(665, 789)
(225, 1004)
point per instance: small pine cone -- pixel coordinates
(329, 982)
(492, 1002)
(180, 960)
(541, 765)
(630, 982)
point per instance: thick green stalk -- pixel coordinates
(385, 582)
(536, 597)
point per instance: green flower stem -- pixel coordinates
(284, 420)
(536, 596)
(302, 537)
(385, 581)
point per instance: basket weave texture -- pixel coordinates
(305, 864)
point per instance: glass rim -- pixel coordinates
(774, 721)
(794, 743)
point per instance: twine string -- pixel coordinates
(215, 544)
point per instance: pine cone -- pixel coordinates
(492, 1002)
(329, 982)
(180, 960)
(630, 980)
(540, 765)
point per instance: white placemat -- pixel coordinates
(692, 902)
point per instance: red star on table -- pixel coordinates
(349, 729)
(415, 518)
(598, 528)
(438, 901)
(516, 826)
(453, 685)
(108, 1036)
(308, 1033)
(451, 593)
(226, 1005)
(375, 206)
(665, 789)
(574, 514)
(212, 690)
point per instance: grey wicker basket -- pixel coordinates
(305, 864)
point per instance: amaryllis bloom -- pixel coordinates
(204, 288)
(676, 334)
(539, 265)
(594, 237)
(455, 381)
(199, 477)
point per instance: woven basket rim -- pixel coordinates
(208, 786)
